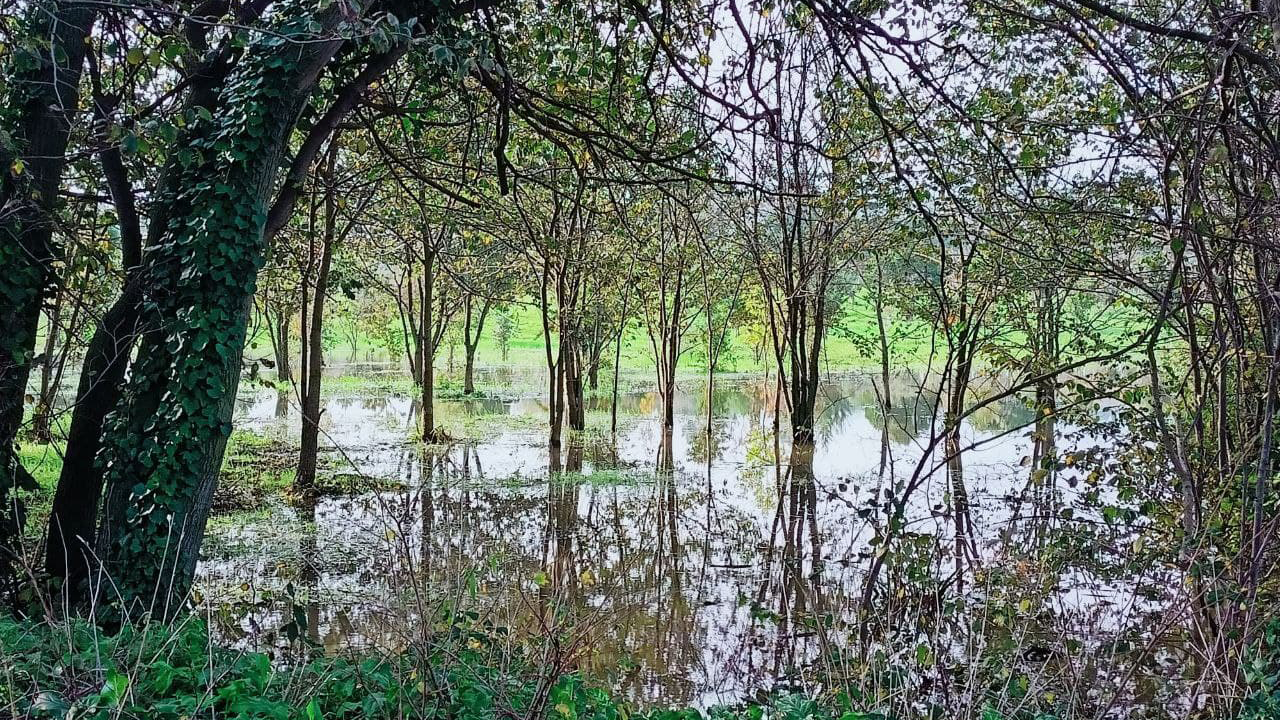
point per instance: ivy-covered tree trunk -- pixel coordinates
(35, 123)
(163, 446)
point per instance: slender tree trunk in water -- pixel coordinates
(965, 542)
(1043, 451)
(429, 401)
(471, 343)
(427, 351)
(313, 372)
(617, 349)
(42, 99)
(469, 350)
(886, 395)
(554, 464)
(417, 331)
(669, 356)
(556, 407)
(617, 366)
(164, 448)
(573, 456)
(573, 390)
(284, 370)
(469, 371)
(806, 328)
(555, 366)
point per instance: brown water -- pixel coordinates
(735, 571)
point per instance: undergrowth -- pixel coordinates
(73, 670)
(463, 669)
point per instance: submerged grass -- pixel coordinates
(606, 478)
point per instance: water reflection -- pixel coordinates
(689, 566)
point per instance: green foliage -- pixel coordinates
(468, 671)
(1262, 676)
(160, 445)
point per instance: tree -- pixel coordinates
(333, 215)
(41, 91)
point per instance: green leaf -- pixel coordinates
(114, 689)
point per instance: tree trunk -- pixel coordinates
(164, 448)
(469, 372)
(284, 371)
(309, 447)
(471, 342)
(75, 504)
(805, 328)
(964, 541)
(427, 348)
(42, 100)
(555, 366)
(575, 405)
(73, 520)
(886, 395)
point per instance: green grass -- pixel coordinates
(466, 670)
(851, 343)
(255, 466)
(44, 462)
(526, 349)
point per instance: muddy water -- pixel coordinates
(726, 566)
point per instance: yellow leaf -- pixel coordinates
(18, 166)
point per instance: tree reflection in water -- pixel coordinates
(688, 566)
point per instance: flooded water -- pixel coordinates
(726, 568)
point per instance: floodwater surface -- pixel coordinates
(726, 566)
